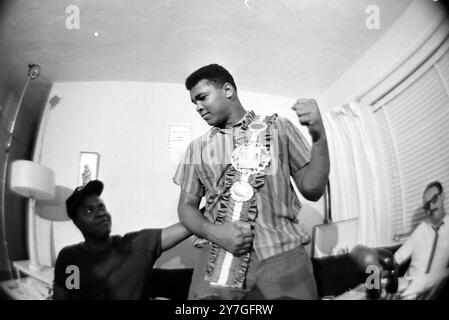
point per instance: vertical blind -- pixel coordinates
(414, 130)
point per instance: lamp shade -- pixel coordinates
(54, 209)
(31, 179)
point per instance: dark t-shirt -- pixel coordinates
(120, 271)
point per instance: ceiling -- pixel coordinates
(285, 47)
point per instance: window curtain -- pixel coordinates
(353, 183)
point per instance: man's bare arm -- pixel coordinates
(172, 235)
(312, 179)
(235, 237)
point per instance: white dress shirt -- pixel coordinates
(419, 247)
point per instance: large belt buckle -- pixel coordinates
(241, 191)
(249, 158)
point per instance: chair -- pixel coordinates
(336, 274)
(335, 238)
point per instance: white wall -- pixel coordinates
(388, 53)
(126, 122)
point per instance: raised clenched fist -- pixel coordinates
(309, 115)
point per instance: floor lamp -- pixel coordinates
(54, 211)
(33, 73)
(33, 181)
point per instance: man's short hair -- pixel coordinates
(434, 184)
(214, 73)
(72, 203)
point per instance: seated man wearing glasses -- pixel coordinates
(428, 245)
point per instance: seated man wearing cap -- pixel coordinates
(105, 266)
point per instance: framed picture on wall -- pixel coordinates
(88, 169)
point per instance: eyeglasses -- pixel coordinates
(434, 200)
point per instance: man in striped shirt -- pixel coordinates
(279, 266)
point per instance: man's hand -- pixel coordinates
(309, 115)
(235, 237)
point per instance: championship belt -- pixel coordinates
(243, 179)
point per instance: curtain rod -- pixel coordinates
(429, 32)
(409, 74)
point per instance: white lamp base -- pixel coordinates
(35, 267)
(32, 248)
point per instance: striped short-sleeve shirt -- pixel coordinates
(201, 173)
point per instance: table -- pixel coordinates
(26, 288)
(423, 287)
(35, 285)
(44, 273)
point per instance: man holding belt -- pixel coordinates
(242, 166)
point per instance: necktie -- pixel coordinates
(434, 245)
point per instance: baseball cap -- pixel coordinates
(92, 187)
